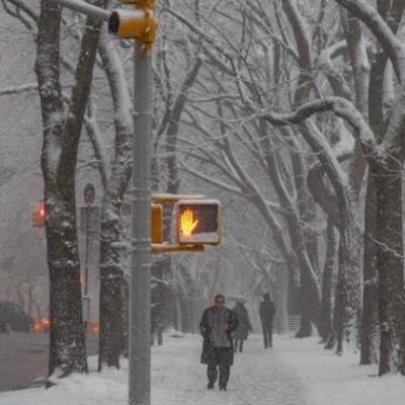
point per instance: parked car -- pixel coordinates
(13, 318)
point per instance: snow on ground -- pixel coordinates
(294, 372)
(336, 380)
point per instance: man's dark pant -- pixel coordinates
(267, 328)
(238, 345)
(212, 374)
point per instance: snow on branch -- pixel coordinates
(18, 89)
(21, 12)
(370, 16)
(337, 105)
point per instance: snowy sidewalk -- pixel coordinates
(258, 377)
(294, 372)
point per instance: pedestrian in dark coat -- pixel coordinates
(266, 312)
(216, 327)
(244, 326)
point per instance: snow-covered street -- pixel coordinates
(294, 372)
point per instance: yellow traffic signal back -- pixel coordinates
(137, 24)
(156, 224)
(197, 222)
(141, 3)
(156, 220)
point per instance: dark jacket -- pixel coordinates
(267, 311)
(244, 326)
(212, 355)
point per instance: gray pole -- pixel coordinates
(83, 7)
(86, 298)
(139, 334)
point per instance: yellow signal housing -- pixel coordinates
(141, 3)
(156, 220)
(198, 222)
(136, 24)
(156, 224)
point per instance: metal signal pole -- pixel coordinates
(139, 334)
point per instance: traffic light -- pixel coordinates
(39, 215)
(197, 222)
(156, 224)
(141, 3)
(139, 24)
(156, 220)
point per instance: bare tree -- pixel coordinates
(61, 135)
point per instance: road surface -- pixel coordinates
(24, 359)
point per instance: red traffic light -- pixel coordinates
(39, 215)
(198, 222)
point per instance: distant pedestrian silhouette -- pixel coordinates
(266, 312)
(156, 327)
(244, 326)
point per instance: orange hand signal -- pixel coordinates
(188, 222)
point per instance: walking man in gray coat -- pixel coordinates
(216, 326)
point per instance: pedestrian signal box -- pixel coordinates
(197, 222)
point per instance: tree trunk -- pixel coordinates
(58, 162)
(325, 325)
(370, 280)
(67, 350)
(387, 177)
(67, 343)
(111, 280)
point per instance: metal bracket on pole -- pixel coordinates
(167, 198)
(166, 248)
(85, 8)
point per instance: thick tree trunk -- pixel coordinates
(113, 308)
(67, 352)
(387, 177)
(58, 162)
(306, 211)
(370, 281)
(310, 293)
(111, 281)
(67, 334)
(325, 324)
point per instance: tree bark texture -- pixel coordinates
(112, 309)
(325, 324)
(387, 177)
(369, 322)
(58, 161)
(67, 345)
(111, 280)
